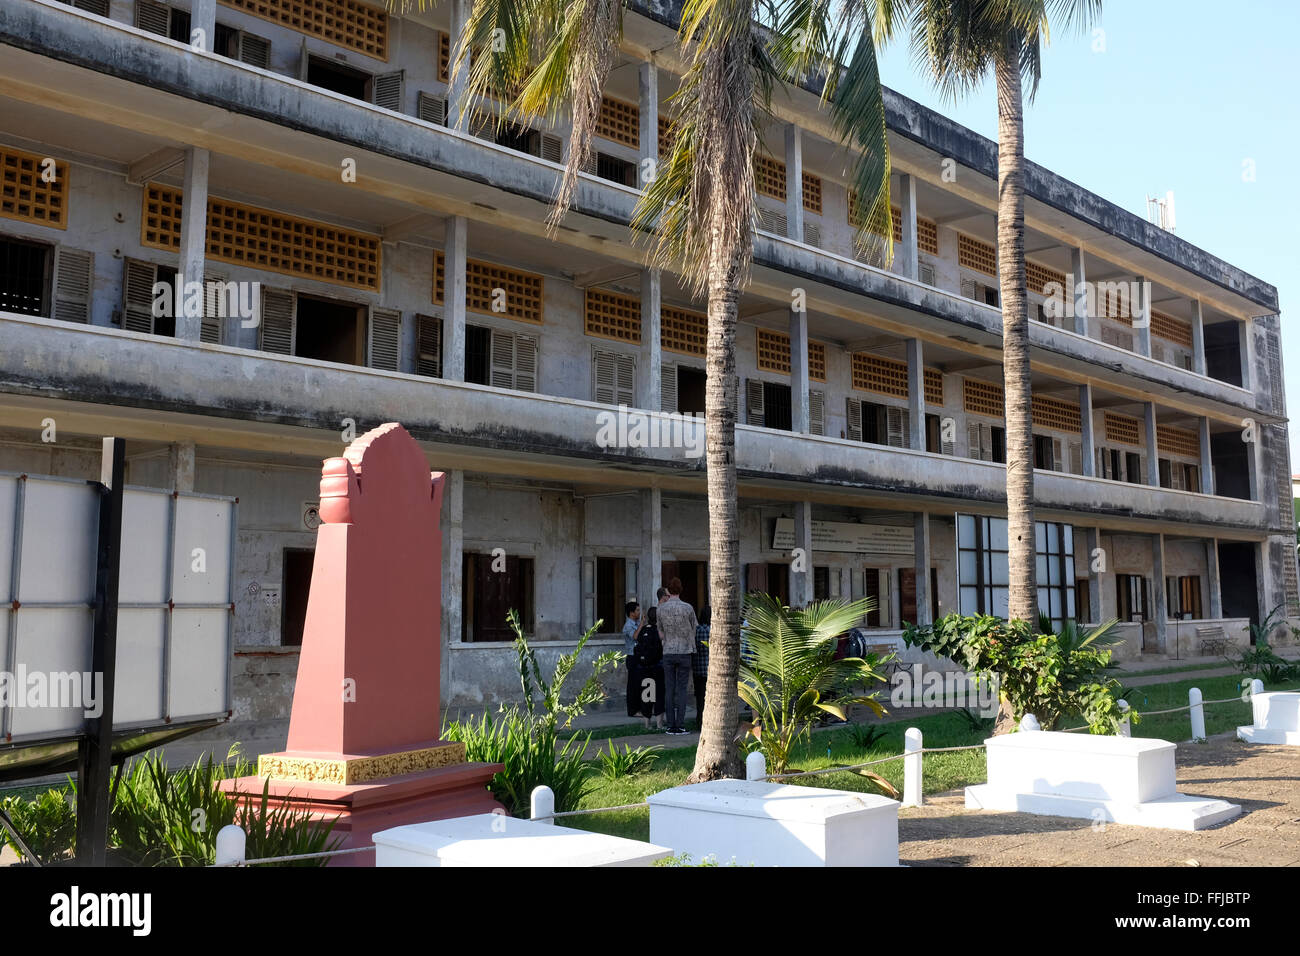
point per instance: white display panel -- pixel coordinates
(60, 519)
(141, 660)
(145, 519)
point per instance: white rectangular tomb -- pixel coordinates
(494, 839)
(773, 824)
(1113, 779)
(1275, 718)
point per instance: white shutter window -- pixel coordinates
(885, 601)
(771, 221)
(668, 387)
(97, 7)
(385, 347)
(602, 376)
(431, 109)
(925, 273)
(947, 446)
(853, 419)
(153, 17)
(503, 360)
(968, 288)
(213, 308)
(1058, 459)
(588, 578)
(254, 50)
(755, 414)
(74, 280)
(1176, 476)
(973, 447)
(525, 363)
(812, 235)
(276, 330)
(552, 148)
(624, 379)
(1076, 458)
(428, 348)
(897, 426)
(137, 295)
(1103, 463)
(816, 412)
(386, 90)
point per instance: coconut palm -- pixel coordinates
(959, 42)
(790, 676)
(697, 210)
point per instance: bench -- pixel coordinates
(1102, 778)
(1213, 640)
(775, 824)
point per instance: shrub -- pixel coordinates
(47, 824)
(615, 763)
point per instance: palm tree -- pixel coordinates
(697, 213)
(958, 42)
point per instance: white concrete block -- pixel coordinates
(1275, 719)
(774, 824)
(492, 839)
(1106, 779)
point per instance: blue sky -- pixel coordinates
(1181, 94)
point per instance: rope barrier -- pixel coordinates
(300, 856)
(581, 813)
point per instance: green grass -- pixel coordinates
(1219, 718)
(610, 733)
(1138, 675)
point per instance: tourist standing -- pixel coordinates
(701, 662)
(677, 626)
(630, 626)
(645, 673)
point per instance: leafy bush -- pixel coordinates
(162, 818)
(47, 824)
(524, 739)
(790, 675)
(865, 736)
(615, 763)
(1047, 675)
(1262, 662)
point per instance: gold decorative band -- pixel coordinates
(350, 770)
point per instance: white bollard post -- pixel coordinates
(1029, 722)
(912, 766)
(755, 766)
(232, 843)
(1125, 728)
(1198, 713)
(1256, 687)
(542, 805)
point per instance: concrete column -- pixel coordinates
(649, 386)
(457, 112)
(800, 416)
(907, 254)
(203, 16)
(1247, 349)
(1207, 460)
(1087, 437)
(1094, 576)
(453, 304)
(916, 394)
(652, 544)
(647, 83)
(180, 463)
(1158, 596)
(794, 182)
(1198, 338)
(194, 237)
(1212, 578)
(453, 560)
(1153, 447)
(1141, 312)
(801, 582)
(1078, 268)
(921, 537)
(1253, 465)
(846, 583)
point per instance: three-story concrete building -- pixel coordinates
(371, 254)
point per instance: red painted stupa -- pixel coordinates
(363, 733)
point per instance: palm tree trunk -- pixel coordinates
(717, 754)
(1023, 596)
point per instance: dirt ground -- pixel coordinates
(1264, 781)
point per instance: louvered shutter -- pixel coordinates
(602, 377)
(213, 308)
(552, 148)
(884, 602)
(587, 571)
(153, 17)
(1058, 459)
(925, 273)
(525, 363)
(386, 90)
(385, 347)
(968, 288)
(771, 221)
(754, 410)
(973, 448)
(428, 355)
(817, 412)
(431, 109)
(1076, 458)
(624, 379)
(97, 7)
(590, 165)
(896, 426)
(276, 330)
(137, 295)
(812, 236)
(1176, 476)
(947, 446)
(853, 419)
(254, 50)
(503, 360)
(74, 279)
(668, 387)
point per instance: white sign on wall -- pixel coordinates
(848, 536)
(174, 626)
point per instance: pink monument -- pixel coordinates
(363, 733)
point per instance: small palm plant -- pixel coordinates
(789, 675)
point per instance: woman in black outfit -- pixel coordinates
(645, 673)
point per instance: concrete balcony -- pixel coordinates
(99, 381)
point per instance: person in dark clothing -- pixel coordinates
(645, 673)
(700, 663)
